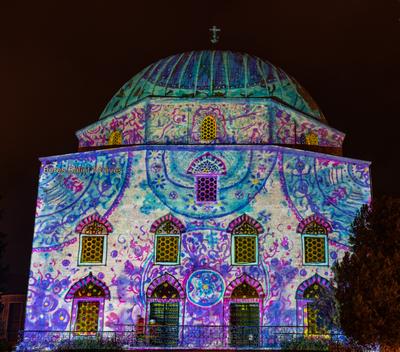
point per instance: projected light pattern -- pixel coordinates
(199, 213)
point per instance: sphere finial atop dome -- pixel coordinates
(213, 73)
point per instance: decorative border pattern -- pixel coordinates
(307, 283)
(83, 282)
(314, 218)
(94, 217)
(203, 158)
(248, 280)
(245, 218)
(165, 278)
(168, 217)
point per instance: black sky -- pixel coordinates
(61, 61)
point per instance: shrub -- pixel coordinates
(305, 343)
(89, 343)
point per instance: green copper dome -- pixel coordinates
(207, 74)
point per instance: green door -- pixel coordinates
(244, 324)
(164, 331)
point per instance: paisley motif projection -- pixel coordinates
(198, 209)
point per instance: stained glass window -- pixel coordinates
(206, 170)
(87, 319)
(206, 189)
(93, 244)
(313, 291)
(115, 138)
(208, 129)
(167, 249)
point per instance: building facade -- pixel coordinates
(210, 193)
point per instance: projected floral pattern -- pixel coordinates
(205, 288)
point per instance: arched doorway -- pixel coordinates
(244, 300)
(309, 315)
(88, 296)
(164, 298)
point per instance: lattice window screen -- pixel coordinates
(208, 129)
(167, 249)
(245, 249)
(92, 248)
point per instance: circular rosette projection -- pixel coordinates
(205, 288)
(170, 176)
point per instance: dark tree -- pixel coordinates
(368, 279)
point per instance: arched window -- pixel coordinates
(206, 170)
(311, 138)
(164, 296)
(208, 129)
(115, 138)
(167, 240)
(314, 237)
(244, 247)
(93, 240)
(243, 301)
(307, 294)
(88, 296)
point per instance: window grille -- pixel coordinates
(167, 249)
(245, 248)
(87, 319)
(115, 138)
(208, 129)
(315, 244)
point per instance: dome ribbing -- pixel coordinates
(207, 74)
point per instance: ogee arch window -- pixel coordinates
(165, 296)
(244, 248)
(206, 169)
(308, 314)
(88, 295)
(314, 237)
(167, 240)
(93, 234)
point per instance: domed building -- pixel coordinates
(204, 209)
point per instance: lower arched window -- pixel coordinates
(88, 296)
(245, 231)
(164, 300)
(308, 312)
(243, 301)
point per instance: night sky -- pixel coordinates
(60, 63)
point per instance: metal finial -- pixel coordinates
(215, 36)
